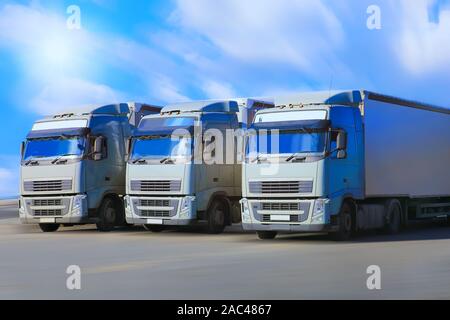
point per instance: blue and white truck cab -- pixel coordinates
(173, 175)
(73, 167)
(345, 161)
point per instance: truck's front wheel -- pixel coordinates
(49, 227)
(107, 215)
(216, 216)
(345, 223)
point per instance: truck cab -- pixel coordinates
(175, 175)
(73, 167)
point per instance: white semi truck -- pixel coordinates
(168, 181)
(345, 161)
(73, 167)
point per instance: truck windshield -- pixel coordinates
(54, 147)
(286, 143)
(161, 146)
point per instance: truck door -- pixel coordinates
(345, 175)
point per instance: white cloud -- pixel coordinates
(299, 33)
(166, 91)
(217, 90)
(422, 46)
(72, 93)
(59, 65)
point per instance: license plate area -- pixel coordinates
(154, 221)
(280, 217)
(47, 220)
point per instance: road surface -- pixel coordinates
(135, 264)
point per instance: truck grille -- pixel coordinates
(48, 185)
(280, 206)
(155, 213)
(156, 185)
(290, 208)
(47, 212)
(154, 203)
(276, 187)
(46, 202)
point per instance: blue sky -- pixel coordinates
(167, 51)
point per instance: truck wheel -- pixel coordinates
(154, 227)
(394, 216)
(345, 223)
(107, 215)
(266, 235)
(49, 227)
(216, 217)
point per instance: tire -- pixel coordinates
(346, 224)
(107, 215)
(49, 227)
(266, 235)
(154, 227)
(394, 216)
(217, 214)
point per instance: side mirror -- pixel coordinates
(341, 143)
(98, 148)
(22, 148)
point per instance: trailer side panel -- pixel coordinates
(407, 151)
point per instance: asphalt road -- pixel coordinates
(135, 264)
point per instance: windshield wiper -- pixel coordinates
(31, 161)
(296, 156)
(61, 156)
(166, 160)
(259, 159)
(139, 160)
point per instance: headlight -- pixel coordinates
(245, 211)
(318, 215)
(78, 205)
(126, 202)
(21, 206)
(186, 207)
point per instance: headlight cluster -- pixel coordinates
(318, 215)
(79, 205)
(187, 207)
(127, 205)
(245, 211)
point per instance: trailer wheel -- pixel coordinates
(346, 222)
(217, 216)
(393, 215)
(107, 215)
(49, 227)
(154, 227)
(266, 235)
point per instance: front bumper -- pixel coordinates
(288, 227)
(54, 209)
(286, 215)
(178, 211)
